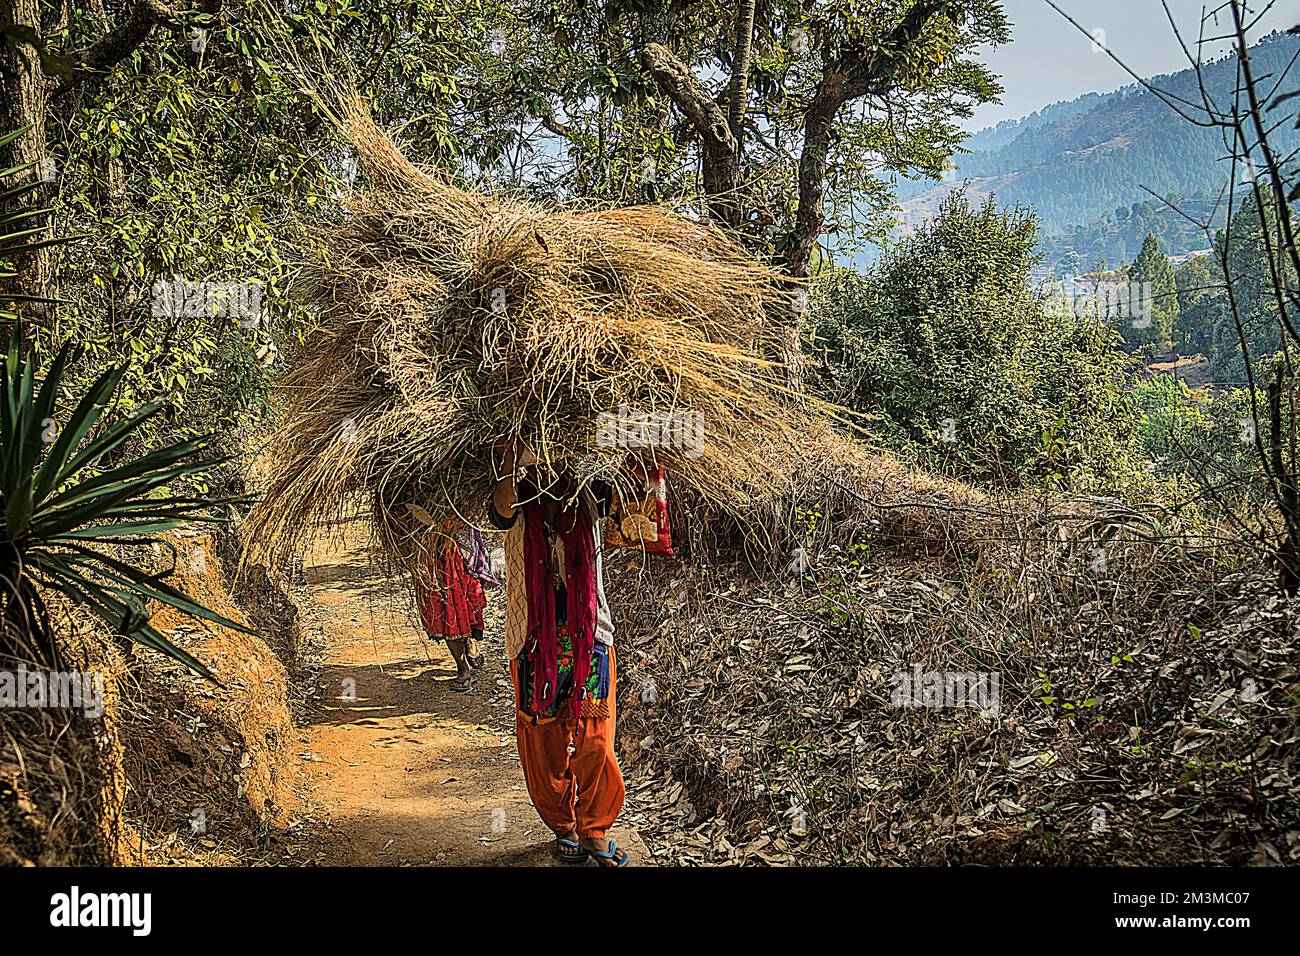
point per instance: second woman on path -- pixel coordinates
(449, 593)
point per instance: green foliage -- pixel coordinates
(1175, 421)
(1241, 254)
(197, 162)
(1194, 281)
(947, 345)
(1205, 443)
(1152, 278)
(582, 117)
(68, 496)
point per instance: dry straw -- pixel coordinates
(450, 321)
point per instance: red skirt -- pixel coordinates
(451, 605)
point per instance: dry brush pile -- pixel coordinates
(1146, 697)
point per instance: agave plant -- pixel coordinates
(63, 508)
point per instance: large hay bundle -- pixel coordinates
(450, 321)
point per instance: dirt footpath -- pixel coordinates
(402, 770)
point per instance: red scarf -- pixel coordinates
(573, 526)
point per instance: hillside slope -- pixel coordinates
(1135, 700)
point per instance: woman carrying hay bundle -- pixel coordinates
(449, 594)
(560, 641)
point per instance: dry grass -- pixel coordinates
(62, 790)
(1147, 702)
(451, 321)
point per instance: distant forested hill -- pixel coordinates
(1083, 164)
(1116, 238)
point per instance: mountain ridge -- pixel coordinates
(1081, 163)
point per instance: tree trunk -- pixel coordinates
(796, 257)
(23, 103)
(813, 161)
(1288, 552)
(718, 148)
(738, 88)
(737, 91)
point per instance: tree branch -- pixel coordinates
(846, 76)
(738, 88)
(680, 85)
(127, 37)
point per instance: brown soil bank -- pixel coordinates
(175, 770)
(211, 768)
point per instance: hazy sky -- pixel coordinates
(1048, 59)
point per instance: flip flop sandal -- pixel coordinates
(459, 684)
(570, 851)
(611, 857)
(474, 660)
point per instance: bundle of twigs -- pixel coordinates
(450, 321)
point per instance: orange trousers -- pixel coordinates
(582, 790)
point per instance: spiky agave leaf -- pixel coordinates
(61, 505)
